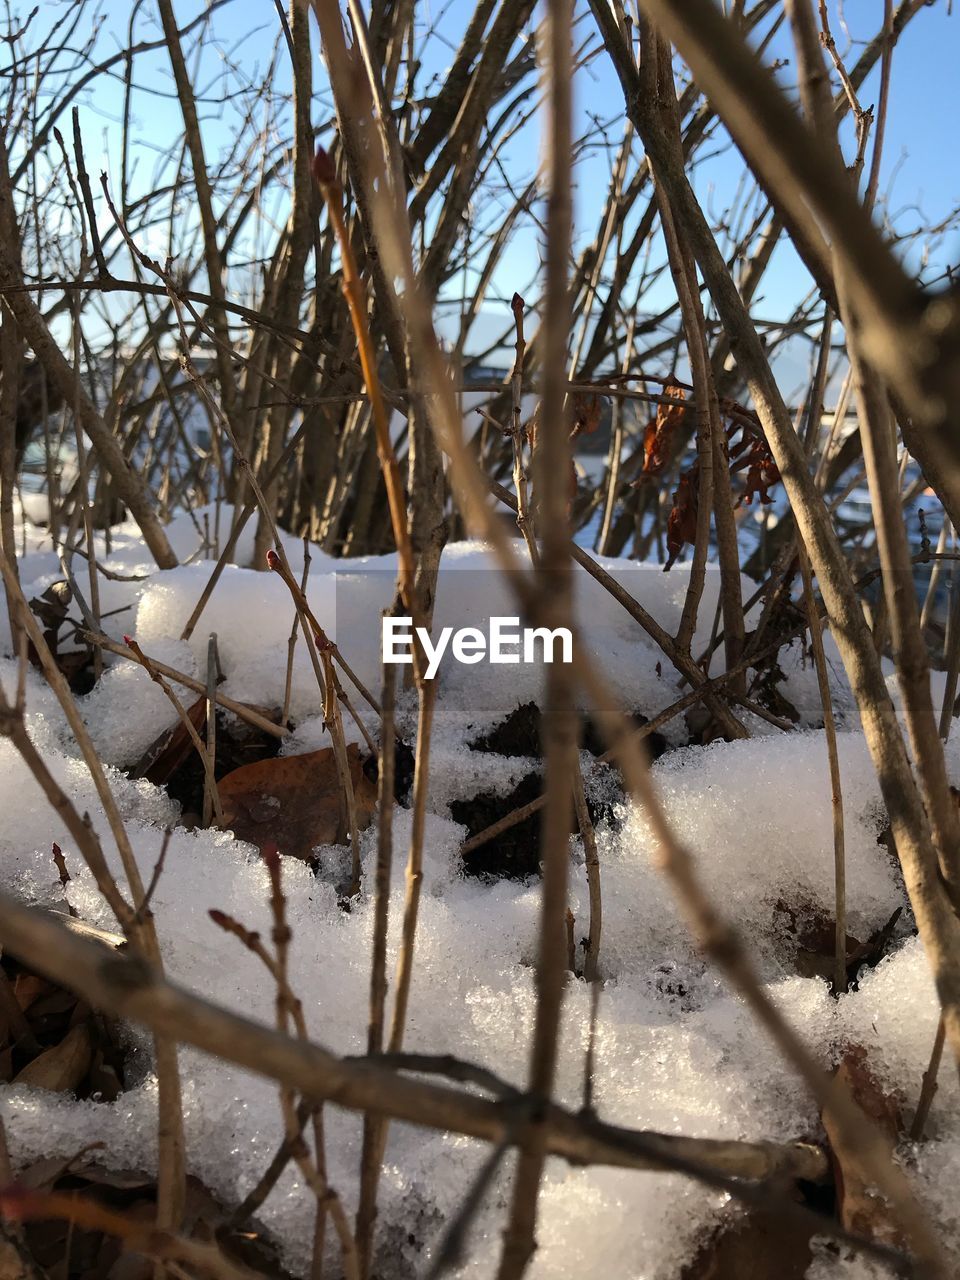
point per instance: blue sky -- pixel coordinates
(920, 177)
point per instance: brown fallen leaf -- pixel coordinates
(860, 1207)
(294, 801)
(759, 1245)
(51, 1039)
(29, 987)
(15, 1262)
(168, 751)
(75, 1240)
(813, 932)
(61, 1068)
(45, 1172)
(869, 954)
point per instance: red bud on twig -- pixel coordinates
(324, 170)
(247, 936)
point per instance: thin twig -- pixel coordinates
(201, 750)
(833, 757)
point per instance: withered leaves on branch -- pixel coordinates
(583, 413)
(52, 608)
(661, 430)
(586, 410)
(682, 520)
(753, 454)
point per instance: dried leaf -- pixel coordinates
(45, 1172)
(861, 1208)
(52, 609)
(806, 926)
(869, 954)
(294, 801)
(103, 1079)
(29, 987)
(61, 1068)
(762, 471)
(167, 753)
(659, 435)
(761, 1245)
(60, 863)
(53, 605)
(14, 1262)
(587, 410)
(682, 520)
(813, 932)
(65, 1245)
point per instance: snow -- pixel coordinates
(127, 710)
(676, 1049)
(757, 817)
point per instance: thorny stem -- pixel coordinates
(292, 640)
(701, 35)
(414, 872)
(129, 989)
(472, 488)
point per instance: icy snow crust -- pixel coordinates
(675, 1052)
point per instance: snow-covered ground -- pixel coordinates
(676, 1051)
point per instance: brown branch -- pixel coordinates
(554, 585)
(128, 988)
